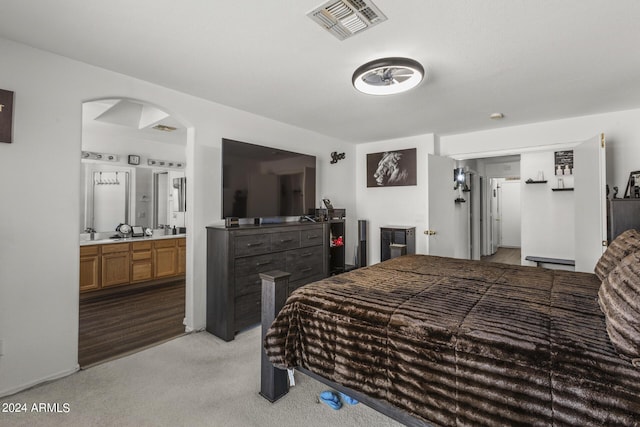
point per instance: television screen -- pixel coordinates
(259, 182)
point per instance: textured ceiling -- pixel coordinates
(532, 60)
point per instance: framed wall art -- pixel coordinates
(6, 116)
(391, 168)
(564, 162)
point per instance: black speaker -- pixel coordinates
(362, 243)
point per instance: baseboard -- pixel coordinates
(53, 377)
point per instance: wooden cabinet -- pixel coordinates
(398, 235)
(236, 257)
(89, 268)
(182, 256)
(119, 264)
(115, 264)
(141, 261)
(165, 256)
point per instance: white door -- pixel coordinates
(590, 202)
(441, 200)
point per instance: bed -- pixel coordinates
(459, 342)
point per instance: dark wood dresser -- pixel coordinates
(622, 214)
(236, 256)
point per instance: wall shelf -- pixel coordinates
(562, 189)
(530, 181)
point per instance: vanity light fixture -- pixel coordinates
(388, 76)
(106, 157)
(166, 163)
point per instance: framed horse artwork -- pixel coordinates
(391, 168)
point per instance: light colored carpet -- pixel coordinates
(194, 380)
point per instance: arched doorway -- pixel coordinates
(133, 279)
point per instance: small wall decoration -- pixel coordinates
(564, 162)
(6, 116)
(633, 186)
(133, 159)
(391, 168)
(335, 156)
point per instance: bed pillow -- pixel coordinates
(619, 298)
(626, 243)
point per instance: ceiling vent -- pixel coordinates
(345, 18)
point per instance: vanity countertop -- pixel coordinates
(130, 239)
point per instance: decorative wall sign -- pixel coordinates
(335, 156)
(6, 116)
(391, 168)
(564, 162)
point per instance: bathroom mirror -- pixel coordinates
(107, 196)
(146, 192)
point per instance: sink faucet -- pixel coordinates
(91, 231)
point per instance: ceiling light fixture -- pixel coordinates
(388, 76)
(165, 128)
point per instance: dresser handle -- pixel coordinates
(250, 245)
(285, 240)
(304, 270)
(306, 254)
(259, 264)
(312, 237)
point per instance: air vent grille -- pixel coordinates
(345, 18)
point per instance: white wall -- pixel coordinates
(381, 206)
(39, 306)
(547, 216)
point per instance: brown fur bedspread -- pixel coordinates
(457, 342)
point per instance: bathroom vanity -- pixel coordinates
(131, 262)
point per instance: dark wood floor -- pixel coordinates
(115, 325)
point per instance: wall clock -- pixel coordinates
(134, 160)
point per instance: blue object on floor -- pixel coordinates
(331, 399)
(348, 399)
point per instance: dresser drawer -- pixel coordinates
(305, 262)
(247, 277)
(311, 237)
(285, 240)
(247, 310)
(115, 247)
(89, 250)
(141, 246)
(140, 255)
(252, 244)
(164, 243)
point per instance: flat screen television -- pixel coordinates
(264, 182)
